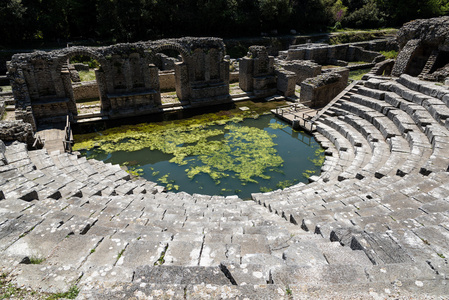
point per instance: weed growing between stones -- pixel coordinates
(357, 74)
(161, 259)
(393, 54)
(120, 254)
(8, 290)
(70, 294)
(34, 260)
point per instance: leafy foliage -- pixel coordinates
(390, 54)
(132, 20)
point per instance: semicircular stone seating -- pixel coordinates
(374, 224)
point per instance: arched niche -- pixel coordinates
(178, 79)
(78, 93)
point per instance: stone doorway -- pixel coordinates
(83, 71)
(169, 61)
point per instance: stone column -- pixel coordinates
(59, 84)
(68, 91)
(182, 81)
(246, 71)
(101, 83)
(148, 72)
(154, 84)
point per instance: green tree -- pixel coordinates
(275, 14)
(401, 11)
(366, 16)
(12, 21)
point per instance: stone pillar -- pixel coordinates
(224, 71)
(68, 91)
(154, 83)
(256, 72)
(101, 83)
(108, 75)
(182, 81)
(59, 84)
(148, 73)
(246, 71)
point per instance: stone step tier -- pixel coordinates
(374, 224)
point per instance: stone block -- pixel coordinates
(180, 275)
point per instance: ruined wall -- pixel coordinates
(320, 90)
(302, 68)
(85, 90)
(383, 68)
(324, 54)
(256, 72)
(128, 79)
(286, 82)
(167, 81)
(11, 131)
(424, 47)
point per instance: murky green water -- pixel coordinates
(217, 157)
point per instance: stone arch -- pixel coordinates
(172, 46)
(63, 56)
(181, 79)
(74, 51)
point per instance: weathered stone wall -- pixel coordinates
(327, 54)
(46, 110)
(233, 76)
(302, 68)
(124, 102)
(360, 54)
(167, 81)
(433, 32)
(421, 43)
(256, 72)
(18, 130)
(286, 82)
(404, 57)
(85, 90)
(378, 45)
(320, 90)
(383, 68)
(42, 84)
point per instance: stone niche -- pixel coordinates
(208, 75)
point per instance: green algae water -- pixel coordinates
(214, 155)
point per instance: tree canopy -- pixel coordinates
(132, 20)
